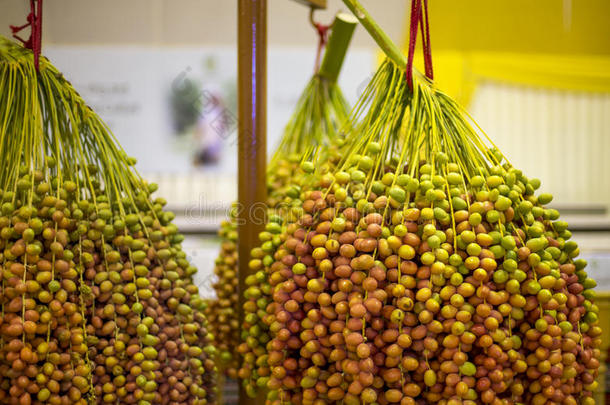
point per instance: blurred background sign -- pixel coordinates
(174, 109)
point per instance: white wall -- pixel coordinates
(561, 137)
(184, 22)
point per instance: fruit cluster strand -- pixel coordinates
(98, 300)
(423, 268)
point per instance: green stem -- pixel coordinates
(385, 43)
(336, 48)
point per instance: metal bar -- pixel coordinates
(321, 4)
(252, 145)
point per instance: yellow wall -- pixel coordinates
(557, 44)
(536, 74)
(541, 26)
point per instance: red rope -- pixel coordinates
(412, 38)
(427, 47)
(34, 42)
(419, 14)
(322, 31)
(323, 37)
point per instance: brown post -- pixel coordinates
(252, 145)
(252, 139)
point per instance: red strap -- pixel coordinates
(419, 15)
(426, 36)
(34, 42)
(323, 36)
(412, 38)
(322, 31)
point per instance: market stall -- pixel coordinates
(389, 252)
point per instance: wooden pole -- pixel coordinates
(252, 145)
(252, 139)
